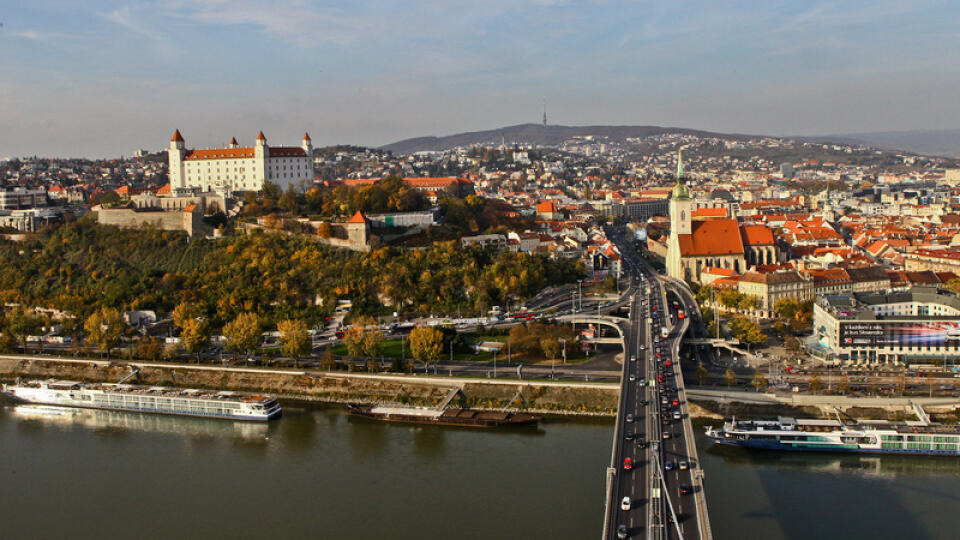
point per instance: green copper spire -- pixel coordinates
(680, 189)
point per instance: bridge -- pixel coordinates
(645, 497)
(599, 320)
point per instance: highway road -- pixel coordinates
(655, 494)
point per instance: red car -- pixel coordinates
(627, 463)
(676, 402)
(668, 363)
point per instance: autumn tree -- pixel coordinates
(327, 361)
(426, 344)
(550, 347)
(759, 380)
(363, 337)
(149, 348)
(243, 333)
(701, 374)
(730, 376)
(815, 384)
(104, 327)
(294, 340)
(194, 327)
(324, 230)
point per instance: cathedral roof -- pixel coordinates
(756, 235)
(713, 237)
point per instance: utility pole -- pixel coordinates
(451, 351)
(564, 343)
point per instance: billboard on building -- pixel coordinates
(900, 334)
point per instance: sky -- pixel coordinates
(103, 79)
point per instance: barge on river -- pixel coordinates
(146, 399)
(864, 437)
(442, 417)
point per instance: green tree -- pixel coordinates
(787, 307)
(294, 340)
(105, 327)
(20, 325)
(243, 333)
(426, 344)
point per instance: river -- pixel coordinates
(319, 473)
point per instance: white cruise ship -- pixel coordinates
(866, 437)
(147, 399)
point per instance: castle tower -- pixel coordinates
(307, 146)
(175, 155)
(233, 143)
(260, 154)
(681, 207)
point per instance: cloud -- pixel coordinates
(294, 21)
(127, 18)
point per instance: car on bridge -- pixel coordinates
(668, 466)
(626, 504)
(629, 418)
(622, 531)
(627, 464)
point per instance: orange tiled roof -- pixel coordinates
(164, 190)
(712, 237)
(219, 153)
(176, 137)
(358, 218)
(709, 212)
(756, 235)
(546, 207)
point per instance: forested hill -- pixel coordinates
(81, 267)
(541, 135)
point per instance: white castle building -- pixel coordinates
(236, 168)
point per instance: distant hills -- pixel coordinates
(539, 134)
(943, 142)
(925, 142)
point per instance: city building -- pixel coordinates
(236, 168)
(773, 286)
(17, 198)
(919, 326)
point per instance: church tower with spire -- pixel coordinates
(681, 207)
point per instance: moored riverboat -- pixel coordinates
(146, 399)
(865, 437)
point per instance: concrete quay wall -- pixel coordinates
(550, 397)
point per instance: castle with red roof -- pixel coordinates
(236, 168)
